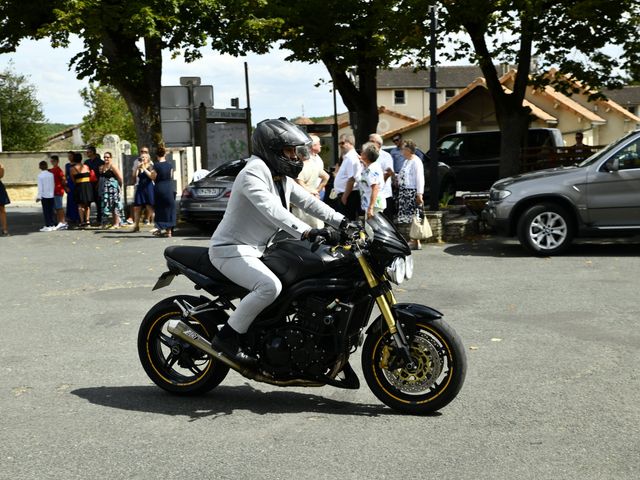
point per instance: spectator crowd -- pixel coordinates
(98, 182)
(364, 182)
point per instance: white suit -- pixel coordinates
(254, 214)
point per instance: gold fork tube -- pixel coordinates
(382, 301)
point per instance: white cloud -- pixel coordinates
(277, 88)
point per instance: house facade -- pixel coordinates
(471, 109)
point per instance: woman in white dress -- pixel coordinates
(410, 188)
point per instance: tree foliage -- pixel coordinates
(351, 38)
(123, 43)
(22, 120)
(108, 114)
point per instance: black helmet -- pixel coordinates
(270, 138)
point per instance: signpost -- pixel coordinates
(186, 113)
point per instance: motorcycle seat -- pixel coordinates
(196, 259)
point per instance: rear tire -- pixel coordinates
(546, 229)
(441, 368)
(173, 364)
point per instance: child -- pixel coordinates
(46, 185)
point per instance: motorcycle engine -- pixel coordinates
(305, 344)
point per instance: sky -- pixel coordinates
(277, 88)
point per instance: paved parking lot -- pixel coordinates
(551, 391)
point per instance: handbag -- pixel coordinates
(420, 228)
(93, 178)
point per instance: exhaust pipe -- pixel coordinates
(193, 338)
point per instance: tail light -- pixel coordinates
(187, 193)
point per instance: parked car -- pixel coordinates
(548, 208)
(205, 200)
(474, 157)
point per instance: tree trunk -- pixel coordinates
(140, 89)
(360, 99)
(514, 123)
(513, 117)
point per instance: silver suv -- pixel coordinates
(548, 208)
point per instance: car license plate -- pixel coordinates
(209, 192)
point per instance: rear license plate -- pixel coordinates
(209, 192)
(165, 279)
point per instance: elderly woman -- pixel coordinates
(410, 188)
(370, 182)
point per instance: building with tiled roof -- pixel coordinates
(627, 97)
(472, 109)
(405, 89)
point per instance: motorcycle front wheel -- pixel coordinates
(440, 361)
(170, 362)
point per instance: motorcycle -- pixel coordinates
(412, 360)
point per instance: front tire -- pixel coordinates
(441, 368)
(173, 364)
(546, 229)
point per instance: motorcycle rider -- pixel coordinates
(258, 207)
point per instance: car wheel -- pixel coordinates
(546, 229)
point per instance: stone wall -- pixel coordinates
(21, 168)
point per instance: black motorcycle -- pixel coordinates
(411, 359)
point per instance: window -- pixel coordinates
(399, 97)
(629, 157)
(229, 169)
(449, 94)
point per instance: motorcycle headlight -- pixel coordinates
(408, 267)
(397, 270)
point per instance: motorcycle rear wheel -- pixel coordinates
(441, 364)
(173, 364)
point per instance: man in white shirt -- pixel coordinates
(386, 164)
(46, 185)
(323, 177)
(348, 201)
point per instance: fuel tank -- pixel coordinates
(293, 260)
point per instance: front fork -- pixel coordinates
(384, 299)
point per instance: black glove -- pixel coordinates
(349, 228)
(329, 235)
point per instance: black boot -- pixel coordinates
(227, 341)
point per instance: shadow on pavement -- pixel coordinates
(29, 220)
(509, 248)
(24, 221)
(224, 401)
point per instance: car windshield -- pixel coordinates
(229, 169)
(605, 151)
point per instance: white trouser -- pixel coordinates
(263, 285)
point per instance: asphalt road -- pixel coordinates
(551, 390)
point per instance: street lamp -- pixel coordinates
(434, 194)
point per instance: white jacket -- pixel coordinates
(255, 212)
